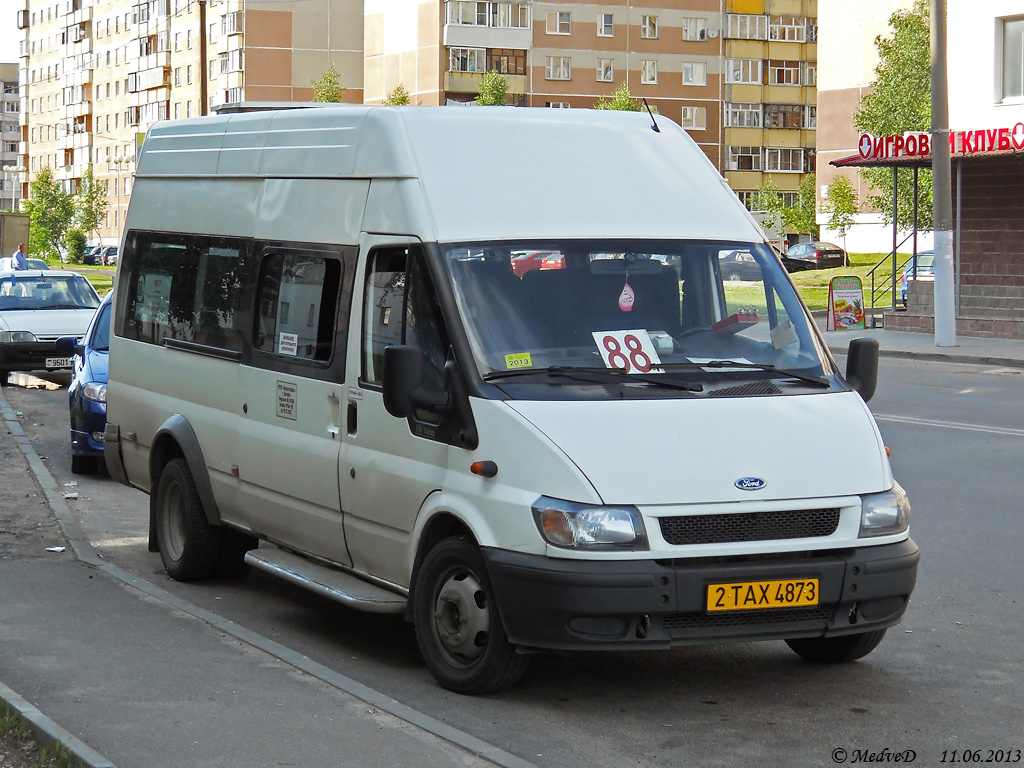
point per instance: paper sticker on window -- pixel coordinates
(629, 351)
(519, 360)
(288, 344)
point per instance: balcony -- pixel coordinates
(470, 36)
(470, 82)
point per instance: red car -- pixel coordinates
(524, 261)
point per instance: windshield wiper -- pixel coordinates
(820, 381)
(591, 375)
(63, 306)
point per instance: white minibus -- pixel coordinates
(479, 367)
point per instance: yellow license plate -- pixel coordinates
(750, 595)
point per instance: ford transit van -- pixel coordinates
(481, 368)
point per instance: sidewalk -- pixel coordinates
(136, 676)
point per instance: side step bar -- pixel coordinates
(329, 582)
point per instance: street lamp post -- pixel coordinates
(15, 172)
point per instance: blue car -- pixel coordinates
(88, 390)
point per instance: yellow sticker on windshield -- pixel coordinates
(518, 360)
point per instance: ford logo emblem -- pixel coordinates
(750, 483)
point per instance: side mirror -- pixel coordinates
(403, 377)
(862, 366)
(68, 346)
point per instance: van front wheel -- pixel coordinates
(189, 545)
(458, 628)
(837, 650)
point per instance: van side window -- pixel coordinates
(185, 288)
(296, 305)
(401, 307)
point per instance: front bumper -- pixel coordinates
(28, 356)
(632, 604)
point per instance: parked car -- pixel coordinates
(7, 264)
(925, 272)
(816, 255)
(108, 255)
(524, 261)
(87, 395)
(738, 265)
(36, 308)
(90, 256)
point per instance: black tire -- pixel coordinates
(458, 628)
(733, 277)
(231, 560)
(837, 650)
(5, 378)
(83, 465)
(189, 546)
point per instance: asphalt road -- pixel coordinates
(948, 678)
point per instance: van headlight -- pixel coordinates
(17, 337)
(883, 514)
(586, 526)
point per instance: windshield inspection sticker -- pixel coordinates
(518, 360)
(629, 351)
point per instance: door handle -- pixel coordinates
(335, 426)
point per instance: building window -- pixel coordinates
(743, 71)
(559, 23)
(695, 28)
(694, 117)
(492, 14)
(740, 115)
(783, 115)
(649, 27)
(784, 159)
(744, 159)
(605, 25)
(791, 28)
(810, 117)
(467, 60)
(605, 71)
(559, 68)
(812, 30)
(746, 27)
(558, 104)
(810, 74)
(695, 73)
(649, 72)
(1013, 59)
(782, 72)
(177, 77)
(188, 75)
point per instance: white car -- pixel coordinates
(36, 308)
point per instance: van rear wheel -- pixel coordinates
(189, 546)
(458, 628)
(837, 650)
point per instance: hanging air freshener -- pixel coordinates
(626, 298)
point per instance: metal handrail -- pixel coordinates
(884, 287)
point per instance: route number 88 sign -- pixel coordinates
(629, 351)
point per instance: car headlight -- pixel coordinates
(585, 526)
(883, 514)
(16, 337)
(95, 391)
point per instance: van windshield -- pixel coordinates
(680, 309)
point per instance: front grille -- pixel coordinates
(746, 618)
(753, 526)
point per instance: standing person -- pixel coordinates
(18, 259)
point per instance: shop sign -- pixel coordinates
(960, 143)
(845, 304)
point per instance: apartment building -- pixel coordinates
(10, 138)
(95, 74)
(739, 75)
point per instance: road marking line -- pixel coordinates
(951, 425)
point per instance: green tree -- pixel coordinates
(620, 100)
(327, 87)
(768, 200)
(841, 205)
(399, 97)
(900, 100)
(51, 213)
(90, 203)
(801, 217)
(74, 243)
(492, 89)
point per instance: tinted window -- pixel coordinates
(297, 304)
(101, 333)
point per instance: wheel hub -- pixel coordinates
(462, 617)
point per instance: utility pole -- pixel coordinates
(204, 74)
(942, 198)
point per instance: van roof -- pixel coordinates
(486, 173)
